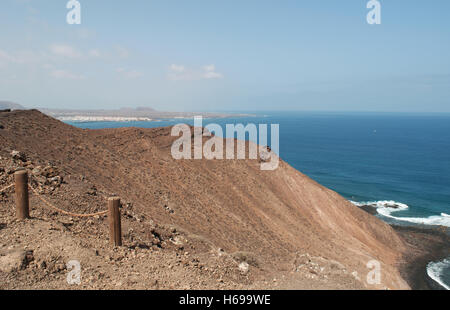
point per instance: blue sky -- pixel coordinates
(227, 55)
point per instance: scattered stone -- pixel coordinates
(56, 180)
(42, 264)
(18, 155)
(355, 275)
(92, 191)
(49, 171)
(168, 209)
(177, 240)
(15, 260)
(265, 154)
(243, 267)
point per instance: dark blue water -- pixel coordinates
(366, 158)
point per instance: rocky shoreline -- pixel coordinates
(429, 244)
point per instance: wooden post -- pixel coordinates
(22, 202)
(115, 229)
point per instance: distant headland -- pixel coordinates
(117, 115)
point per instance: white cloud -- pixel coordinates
(210, 72)
(65, 51)
(181, 73)
(177, 68)
(212, 75)
(62, 74)
(56, 53)
(95, 53)
(178, 73)
(20, 57)
(209, 68)
(24, 57)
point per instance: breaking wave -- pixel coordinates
(436, 271)
(388, 207)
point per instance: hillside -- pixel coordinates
(188, 224)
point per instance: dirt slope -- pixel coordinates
(280, 222)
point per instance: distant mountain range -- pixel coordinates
(120, 115)
(4, 105)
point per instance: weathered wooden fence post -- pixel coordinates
(115, 228)
(21, 188)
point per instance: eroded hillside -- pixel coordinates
(187, 223)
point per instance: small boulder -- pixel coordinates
(14, 260)
(56, 180)
(265, 154)
(19, 156)
(243, 267)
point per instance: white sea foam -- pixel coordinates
(387, 207)
(435, 271)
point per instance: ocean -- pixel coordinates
(398, 163)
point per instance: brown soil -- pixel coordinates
(188, 224)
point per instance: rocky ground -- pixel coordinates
(34, 253)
